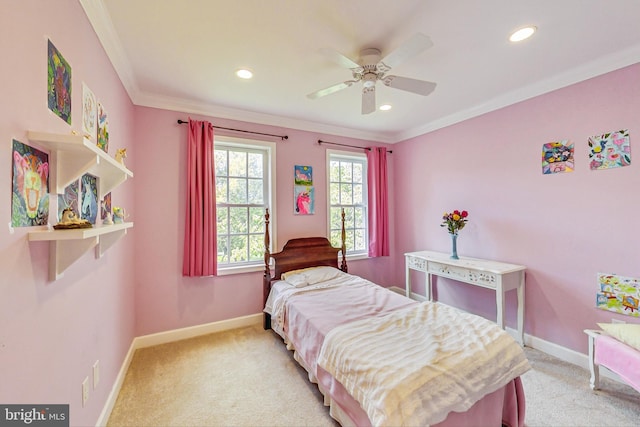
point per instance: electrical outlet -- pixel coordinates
(96, 374)
(617, 321)
(85, 391)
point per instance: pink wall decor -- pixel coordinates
(610, 150)
(557, 157)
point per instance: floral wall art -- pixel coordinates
(58, 84)
(557, 157)
(618, 294)
(303, 194)
(610, 150)
(30, 198)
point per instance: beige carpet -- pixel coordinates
(246, 377)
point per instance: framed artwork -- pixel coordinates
(106, 206)
(103, 128)
(58, 84)
(89, 113)
(303, 175)
(557, 157)
(304, 200)
(610, 150)
(89, 198)
(69, 199)
(30, 195)
(618, 294)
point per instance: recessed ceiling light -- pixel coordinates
(385, 107)
(244, 74)
(522, 33)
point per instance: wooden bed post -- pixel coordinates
(266, 285)
(343, 264)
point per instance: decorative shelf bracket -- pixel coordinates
(63, 253)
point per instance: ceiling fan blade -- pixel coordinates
(331, 89)
(410, 48)
(421, 87)
(339, 58)
(368, 99)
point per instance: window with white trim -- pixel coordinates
(347, 176)
(244, 178)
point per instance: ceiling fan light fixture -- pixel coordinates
(243, 73)
(522, 34)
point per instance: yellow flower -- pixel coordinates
(456, 217)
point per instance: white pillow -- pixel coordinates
(322, 274)
(628, 333)
(296, 280)
(310, 276)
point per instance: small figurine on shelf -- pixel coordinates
(106, 213)
(107, 219)
(121, 154)
(70, 221)
(119, 215)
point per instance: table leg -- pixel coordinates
(407, 279)
(520, 292)
(500, 304)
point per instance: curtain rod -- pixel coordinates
(347, 145)
(282, 137)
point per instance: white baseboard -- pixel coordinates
(167, 337)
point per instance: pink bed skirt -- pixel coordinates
(619, 358)
(505, 406)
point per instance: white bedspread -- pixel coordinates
(415, 365)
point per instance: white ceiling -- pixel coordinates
(182, 55)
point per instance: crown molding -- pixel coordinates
(579, 74)
(100, 20)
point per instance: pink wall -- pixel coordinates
(51, 333)
(164, 298)
(565, 227)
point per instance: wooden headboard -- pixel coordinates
(299, 253)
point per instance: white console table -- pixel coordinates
(499, 276)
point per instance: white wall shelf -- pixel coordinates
(71, 156)
(67, 246)
(74, 155)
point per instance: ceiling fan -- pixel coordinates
(372, 68)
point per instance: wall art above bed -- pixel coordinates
(303, 193)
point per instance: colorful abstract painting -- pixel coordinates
(30, 198)
(618, 294)
(106, 206)
(89, 199)
(611, 150)
(303, 175)
(304, 200)
(103, 129)
(557, 157)
(59, 84)
(69, 199)
(89, 113)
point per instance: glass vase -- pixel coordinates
(454, 247)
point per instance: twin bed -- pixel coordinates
(380, 358)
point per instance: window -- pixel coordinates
(244, 177)
(347, 174)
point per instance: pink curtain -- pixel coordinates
(378, 205)
(200, 252)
